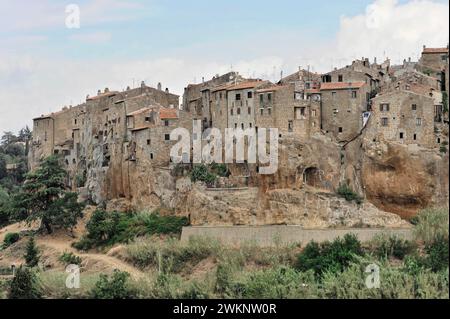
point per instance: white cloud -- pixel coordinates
(92, 38)
(397, 30)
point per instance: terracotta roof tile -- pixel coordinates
(165, 114)
(140, 111)
(341, 85)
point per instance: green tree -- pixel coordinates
(25, 136)
(4, 207)
(7, 139)
(44, 197)
(31, 253)
(24, 285)
(115, 287)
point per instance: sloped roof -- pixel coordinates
(272, 88)
(108, 94)
(341, 85)
(140, 111)
(166, 114)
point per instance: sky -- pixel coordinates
(44, 65)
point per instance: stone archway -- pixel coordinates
(312, 177)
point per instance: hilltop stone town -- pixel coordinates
(380, 129)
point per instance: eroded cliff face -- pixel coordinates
(404, 179)
(394, 180)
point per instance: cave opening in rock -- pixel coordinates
(311, 177)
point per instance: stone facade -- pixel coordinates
(403, 117)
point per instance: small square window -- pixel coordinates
(341, 130)
(167, 137)
(148, 142)
(340, 78)
(418, 121)
(354, 94)
(414, 107)
(402, 135)
(249, 95)
(238, 97)
(166, 123)
(262, 111)
(384, 121)
(269, 97)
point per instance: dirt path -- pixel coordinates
(64, 245)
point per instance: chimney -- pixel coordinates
(167, 90)
(142, 84)
(99, 92)
(159, 86)
(203, 79)
(87, 97)
(106, 90)
(375, 60)
(424, 46)
(409, 59)
(128, 88)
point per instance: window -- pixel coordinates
(418, 121)
(384, 121)
(414, 107)
(341, 130)
(238, 96)
(290, 124)
(250, 125)
(242, 125)
(313, 113)
(261, 99)
(269, 97)
(307, 85)
(249, 95)
(75, 121)
(148, 142)
(235, 125)
(45, 136)
(147, 119)
(354, 94)
(269, 111)
(166, 123)
(340, 78)
(231, 112)
(167, 137)
(415, 137)
(402, 135)
(239, 111)
(220, 95)
(262, 111)
(384, 107)
(151, 155)
(443, 57)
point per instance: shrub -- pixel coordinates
(70, 259)
(431, 224)
(443, 149)
(329, 256)
(105, 229)
(438, 256)
(31, 253)
(10, 239)
(220, 170)
(388, 247)
(347, 192)
(24, 285)
(113, 287)
(201, 173)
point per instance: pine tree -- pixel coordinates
(44, 197)
(24, 285)
(31, 254)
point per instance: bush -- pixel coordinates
(443, 149)
(24, 285)
(438, 256)
(201, 173)
(113, 287)
(31, 254)
(70, 259)
(105, 229)
(347, 192)
(10, 238)
(431, 225)
(329, 257)
(392, 247)
(220, 170)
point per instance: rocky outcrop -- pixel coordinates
(404, 179)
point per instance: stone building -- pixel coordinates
(343, 104)
(434, 62)
(404, 117)
(279, 107)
